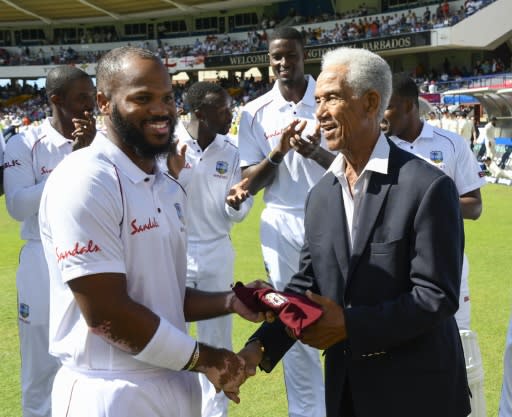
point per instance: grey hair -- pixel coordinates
(365, 71)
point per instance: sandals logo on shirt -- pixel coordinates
(221, 167)
(46, 171)
(276, 132)
(136, 228)
(78, 249)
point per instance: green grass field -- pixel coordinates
(488, 245)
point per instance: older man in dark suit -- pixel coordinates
(382, 256)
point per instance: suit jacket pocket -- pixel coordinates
(390, 258)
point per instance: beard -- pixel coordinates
(134, 137)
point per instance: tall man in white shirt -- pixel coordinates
(449, 152)
(116, 251)
(286, 171)
(211, 170)
(29, 158)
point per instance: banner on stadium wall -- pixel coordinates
(390, 43)
(459, 99)
(433, 98)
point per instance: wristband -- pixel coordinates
(169, 348)
(270, 158)
(193, 360)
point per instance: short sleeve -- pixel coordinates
(80, 217)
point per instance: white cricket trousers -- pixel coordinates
(38, 367)
(282, 237)
(506, 389)
(463, 314)
(147, 393)
(210, 268)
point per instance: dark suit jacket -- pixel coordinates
(399, 288)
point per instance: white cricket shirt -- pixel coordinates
(207, 177)
(2, 148)
(261, 124)
(29, 159)
(449, 152)
(378, 162)
(100, 213)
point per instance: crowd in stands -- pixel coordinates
(21, 106)
(352, 25)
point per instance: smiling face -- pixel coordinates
(341, 114)
(286, 57)
(141, 112)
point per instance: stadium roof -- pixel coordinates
(25, 12)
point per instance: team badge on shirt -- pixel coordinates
(221, 167)
(179, 212)
(24, 311)
(436, 156)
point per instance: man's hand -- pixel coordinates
(306, 147)
(237, 306)
(252, 354)
(329, 329)
(176, 160)
(293, 129)
(238, 194)
(223, 368)
(85, 131)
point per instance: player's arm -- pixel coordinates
(110, 312)
(22, 193)
(262, 174)
(2, 151)
(203, 305)
(471, 204)
(113, 315)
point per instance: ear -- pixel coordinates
(198, 113)
(55, 99)
(103, 102)
(372, 101)
(409, 105)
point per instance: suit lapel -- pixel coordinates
(373, 200)
(340, 236)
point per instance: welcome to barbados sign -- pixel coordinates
(390, 43)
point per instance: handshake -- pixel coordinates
(256, 302)
(226, 370)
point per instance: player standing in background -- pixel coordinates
(286, 171)
(2, 150)
(210, 171)
(30, 157)
(452, 154)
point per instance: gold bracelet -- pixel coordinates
(194, 359)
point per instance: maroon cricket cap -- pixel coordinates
(295, 311)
